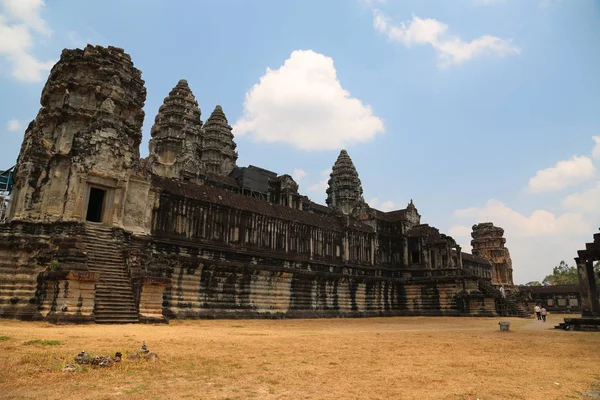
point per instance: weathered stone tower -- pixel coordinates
(176, 142)
(345, 189)
(84, 141)
(488, 243)
(218, 148)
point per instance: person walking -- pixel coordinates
(502, 292)
(543, 312)
(538, 311)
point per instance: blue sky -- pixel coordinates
(476, 109)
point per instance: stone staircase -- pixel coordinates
(505, 306)
(114, 301)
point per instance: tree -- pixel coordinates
(532, 283)
(563, 274)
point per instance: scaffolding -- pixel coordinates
(6, 183)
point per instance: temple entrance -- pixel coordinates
(95, 205)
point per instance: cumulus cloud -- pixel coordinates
(596, 151)
(537, 241)
(451, 50)
(586, 201)
(385, 206)
(304, 104)
(14, 125)
(322, 184)
(298, 174)
(538, 223)
(563, 174)
(18, 20)
(29, 13)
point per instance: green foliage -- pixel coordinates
(2, 338)
(43, 342)
(54, 265)
(532, 283)
(563, 274)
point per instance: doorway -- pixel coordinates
(95, 205)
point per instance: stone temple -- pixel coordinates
(97, 234)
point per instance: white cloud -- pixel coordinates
(303, 104)
(563, 174)
(298, 174)
(388, 206)
(537, 242)
(27, 12)
(14, 125)
(385, 206)
(451, 49)
(16, 40)
(586, 201)
(322, 184)
(596, 151)
(538, 223)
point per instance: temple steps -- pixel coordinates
(114, 300)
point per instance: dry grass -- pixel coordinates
(379, 358)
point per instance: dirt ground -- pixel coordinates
(376, 358)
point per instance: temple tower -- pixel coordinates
(488, 243)
(345, 189)
(218, 148)
(177, 135)
(85, 140)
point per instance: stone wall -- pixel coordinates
(216, 283)
(26, 249)
(66, 296)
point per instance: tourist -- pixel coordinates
(543, 312)
(537, 312)
(502, 292)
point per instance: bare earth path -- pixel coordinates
(378, 358)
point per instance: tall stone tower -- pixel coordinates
(345, 189)
(85, 139)
(218, 148)
(177, 135)
(488, 243)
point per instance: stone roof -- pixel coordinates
(472, 258)
(226, 198)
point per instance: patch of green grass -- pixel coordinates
(42, 342)
(2, 338)
(136, 389)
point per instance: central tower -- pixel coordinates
(345, 189)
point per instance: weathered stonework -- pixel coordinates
(489, 243)
(186, 233)
(176, 144)
(218, 148)
(345, 189)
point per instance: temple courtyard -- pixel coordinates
(373, 358)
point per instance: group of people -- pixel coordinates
(540, 313)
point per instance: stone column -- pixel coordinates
(590, 306)
(459, 256)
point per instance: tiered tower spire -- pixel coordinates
(489, 243)
(345, 189)
(177, 135)
(218, 148)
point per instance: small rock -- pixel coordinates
(152, 357)
(69, 368)
(144, 349)
(102, 362)
(82, 358)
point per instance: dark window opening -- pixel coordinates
(415, 257)
(95, 205)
